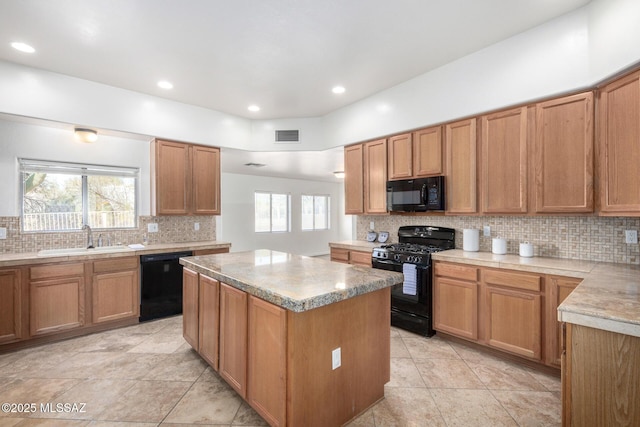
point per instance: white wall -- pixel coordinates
(236, 224)
(47, 143)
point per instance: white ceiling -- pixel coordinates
(283, 55)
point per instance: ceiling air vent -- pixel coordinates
(285, 136)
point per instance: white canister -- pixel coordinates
(471, 240)
(526, 249)
(499, 246)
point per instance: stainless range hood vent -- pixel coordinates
(287, 136)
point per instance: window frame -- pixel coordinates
(271, 194)
(82, 170)
(327, 197)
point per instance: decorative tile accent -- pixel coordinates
(589, 238)
(171, 229)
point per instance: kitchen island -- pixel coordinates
(303, 340)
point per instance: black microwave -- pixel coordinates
(416, 195)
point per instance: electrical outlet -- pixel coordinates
(631, 236)
(336, 358)
(371, 226)
(486, 231)
(152, 227)
(196, 226)
(3, 233)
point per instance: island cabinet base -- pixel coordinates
(318, 395)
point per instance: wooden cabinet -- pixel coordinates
(185, 179)
(115, 290)
(563, 155)
(200, 252)
(399, 155)
(347, 256)
(209, 319)
(600, 377)
(513, 312)
(455, 300)
(233, 338)
(354, 180)
(504, 162)
(267, 360)
(56, 297)
(558, 289)
(461, 177)
(190, 307)
(427, 152)
(10, 305)
(375, 177)
(619, 146)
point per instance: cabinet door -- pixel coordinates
(512, 321)
(427, 152)
(375, 176)
(209, 320)
(360, 258)
(400, 156)
(504, 162)
(233, 338)
(461, 181)
(559, 289)
(10, 305)
(564, 155)
(267, 357)
(56, 305)
(205, 180)
(172, 178)
(190, 307)
(619, 147)
(115, 295)
(340, 255)
(354, 180)
(455, 307)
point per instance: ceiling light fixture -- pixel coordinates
(165, 84)
(86, 135)
(22, 47)
(338, 89)
(339, 174)
(253, 108)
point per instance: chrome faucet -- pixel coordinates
(89, 236)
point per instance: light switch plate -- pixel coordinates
(631, 236)
(336, 358)
(3, 233)
(196, 226)
(152, 227)
(486, 231)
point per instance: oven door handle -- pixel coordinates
(387, 262)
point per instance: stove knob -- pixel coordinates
(396, 257)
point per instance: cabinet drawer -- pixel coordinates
(456, 271)
(201, 252)
(340, 255)
(360, 258)
(57, 270)
(511, 279)
(115, 264)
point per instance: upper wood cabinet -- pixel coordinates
(375, 176)
(353, 180)
(185, 179)
(427, 152)
(619, 147)
(10, 305)
(563, 155)
(504, 162)
(461, 178)
(400, 149)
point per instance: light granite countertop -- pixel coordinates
(294, 282)
(28, 258)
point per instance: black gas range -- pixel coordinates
(411, 301)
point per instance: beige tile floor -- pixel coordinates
(146, 375)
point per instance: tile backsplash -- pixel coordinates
(170, 229)
(575, 237)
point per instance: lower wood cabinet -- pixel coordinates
(115, 289)
(558, 289)
(190, 307)
(10, 305)
(347, 256)
(455, 299)
(209, 320)
(233, 338)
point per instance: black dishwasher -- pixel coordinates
(161, 285)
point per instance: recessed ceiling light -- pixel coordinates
(22, 47)
(253, 108)
(338, 89)
(165, 84)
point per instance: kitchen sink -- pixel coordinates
(83, 251)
